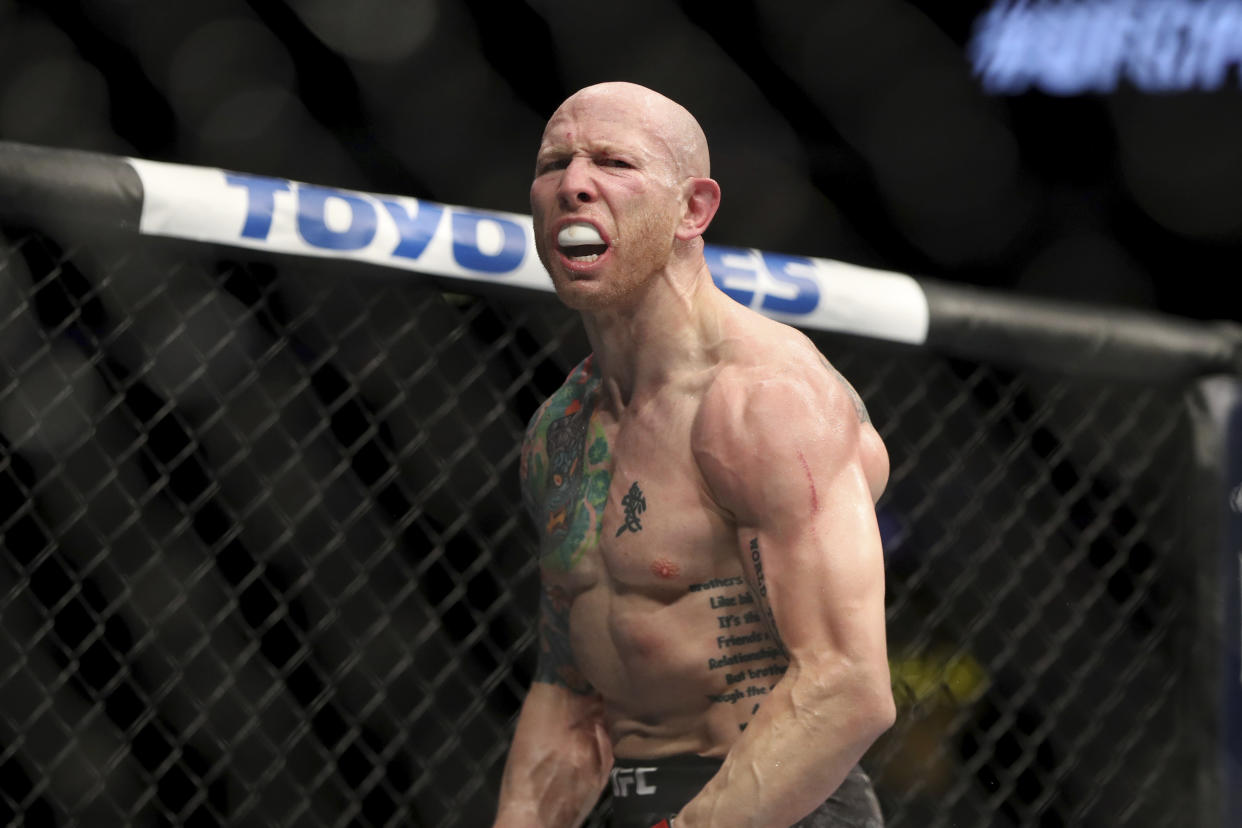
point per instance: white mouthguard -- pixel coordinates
(579, 233)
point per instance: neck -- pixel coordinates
(670, 328)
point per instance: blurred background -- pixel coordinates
(263, 556)
(851, 130)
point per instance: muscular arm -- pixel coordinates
(558, 763)
(561, 754)
(789, 458)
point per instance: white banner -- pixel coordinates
(278, 215)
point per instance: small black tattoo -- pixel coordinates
(634, 504)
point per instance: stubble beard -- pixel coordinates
(642, 250)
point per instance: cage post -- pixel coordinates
(1218, 434)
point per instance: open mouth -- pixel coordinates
(580, 242)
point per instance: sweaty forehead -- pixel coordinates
(577, 121)
(641, 121)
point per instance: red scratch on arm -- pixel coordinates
(806, 467)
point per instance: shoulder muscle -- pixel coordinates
(757, 432)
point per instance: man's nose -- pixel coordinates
(577, 183)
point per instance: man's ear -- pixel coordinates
(702, 201)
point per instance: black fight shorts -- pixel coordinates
(645, 791)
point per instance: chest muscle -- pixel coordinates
(620, 501)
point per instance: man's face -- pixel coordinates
(606, 200)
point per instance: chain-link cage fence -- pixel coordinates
(264, 562)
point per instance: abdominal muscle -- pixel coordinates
(682, 666)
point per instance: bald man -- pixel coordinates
(711, 630)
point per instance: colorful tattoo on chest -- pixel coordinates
(566, 470)
(566, 474)
(748, 656)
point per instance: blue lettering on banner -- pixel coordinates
(795, 271)
(729, 273)
(260, 202)
(312, 219)
(466, 243)
(415, 232)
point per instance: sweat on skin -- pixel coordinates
(703, 484)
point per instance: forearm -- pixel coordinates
(794, 754)
(557, 765)
(548, 788)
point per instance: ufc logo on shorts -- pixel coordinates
(625, 778)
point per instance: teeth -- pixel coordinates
(579, 233)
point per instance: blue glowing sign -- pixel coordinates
(1092, 46)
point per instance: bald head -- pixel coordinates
(665, 120)
(626, 169)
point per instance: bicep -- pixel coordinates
(818, 573)
(790, 465)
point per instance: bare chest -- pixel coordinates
(662, 530)
(624, 505)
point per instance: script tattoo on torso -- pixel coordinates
(749, 655)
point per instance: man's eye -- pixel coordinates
(552, 165)
(615, 162)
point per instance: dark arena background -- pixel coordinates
(263, 561)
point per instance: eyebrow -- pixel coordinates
(637, 157)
